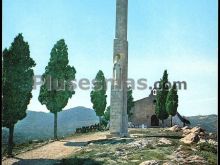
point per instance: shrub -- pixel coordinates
(207, 147)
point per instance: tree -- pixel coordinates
(98, 94)
(160, 109)
(130, 101)
(17, 84)
(58, 88)
(172, 102)
(106, 116)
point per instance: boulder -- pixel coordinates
(190, 138)
(186, 132)
(174, 128)
(197, 129)
(186, 127)
(164, 141)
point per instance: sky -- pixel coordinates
(180, 36)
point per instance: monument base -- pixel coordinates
(117, 135)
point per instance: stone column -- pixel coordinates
(118, 112)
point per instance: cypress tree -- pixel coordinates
(172, 102)
(130, 102)
(58, 88)
(98, 95)
(17, 84)
(160, 109)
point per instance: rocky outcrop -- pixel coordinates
(182, 156)
(174, 128)
(190, 138)
(193, 135)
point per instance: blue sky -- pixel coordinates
(180, 36)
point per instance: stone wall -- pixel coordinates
(143, 110)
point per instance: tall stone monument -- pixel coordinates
(118, 112)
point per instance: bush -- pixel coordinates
(92, 128)
(207, 147)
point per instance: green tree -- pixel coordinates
(130, 102)
(172, 102)
(160, 109)
(98, 94)
(106, 116)
(17, 84)
(58, 88)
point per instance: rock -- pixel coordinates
(150, 162)
(196, 159)
(190, 138)
(164, 141)
(186, 132)
(186, 127)
(202, 134)
(197, 130)
(202, 140)
(134, 161)
(174, 128)
(210, 141)
(90, 144)
(212, 136)
(139, 143)
(179, 148)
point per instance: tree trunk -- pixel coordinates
(55, 126)
(99, 120)
(163, 123)
(10, 140)
(171, 122)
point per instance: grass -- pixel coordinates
(118, 152)
(207, 147)
(208, 156)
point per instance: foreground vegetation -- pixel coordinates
(149, 144)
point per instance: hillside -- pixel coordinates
(208, 122)
(39, 125)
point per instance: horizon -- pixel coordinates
(178, 36)
(97, 116)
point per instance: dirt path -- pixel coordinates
(52, 153)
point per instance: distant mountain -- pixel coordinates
(39, 125)
(208, 122)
